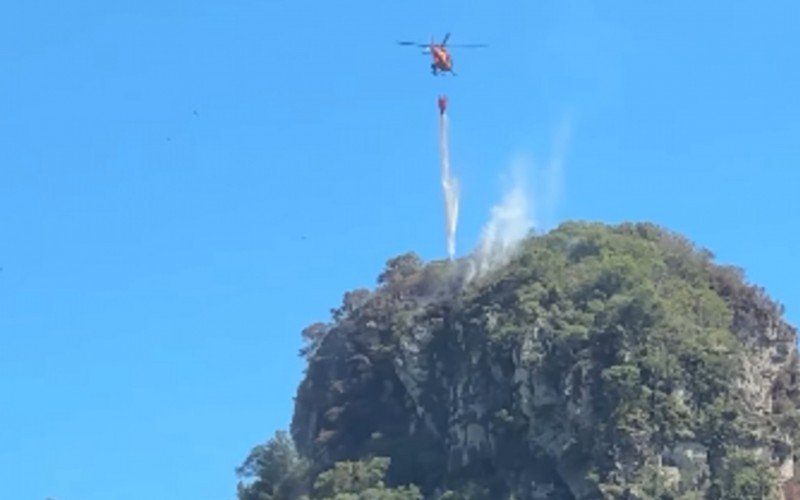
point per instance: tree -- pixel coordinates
(276, 468)
(747, 476)
(350, 302)
(312, 338)
(362, 480)
(400, 267)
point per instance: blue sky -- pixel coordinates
(187, 184)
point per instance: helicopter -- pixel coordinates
(442, 61)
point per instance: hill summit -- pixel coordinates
(596, 362)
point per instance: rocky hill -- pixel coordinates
(598, 362)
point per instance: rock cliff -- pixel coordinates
(599, 362)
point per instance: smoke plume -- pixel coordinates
(510, 222)
(553, 175)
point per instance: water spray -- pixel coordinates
(449, 183)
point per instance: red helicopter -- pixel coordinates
(442, 62)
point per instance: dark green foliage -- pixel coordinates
(277, 471)
(634, 319)
(745, 476)
(350, 303)
(574, 369)
(400, 267)
(363, 480)
(312, 338)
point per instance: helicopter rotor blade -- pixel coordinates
(469, 45)
(412, 44)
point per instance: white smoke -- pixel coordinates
(553, 176)
(513, 219)
(510, 222)
(450, 188)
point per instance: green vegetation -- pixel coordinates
(280, 474)
(601, 362)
